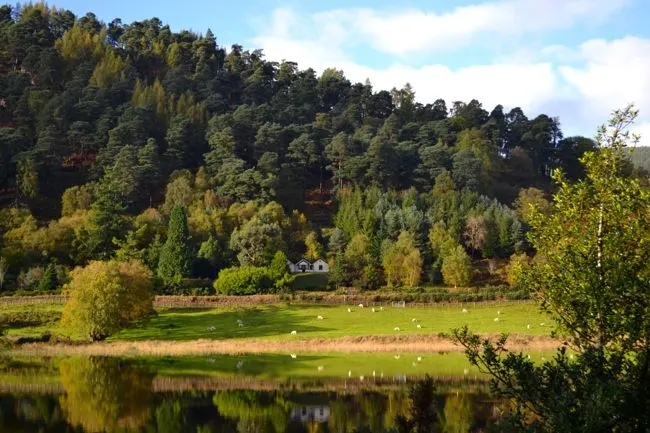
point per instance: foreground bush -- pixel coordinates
(246, 280)
(106, 296)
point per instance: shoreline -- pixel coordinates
(361, 344)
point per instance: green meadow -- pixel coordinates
(276, 322)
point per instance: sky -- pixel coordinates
(575, 59)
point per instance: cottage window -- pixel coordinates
(320, 267)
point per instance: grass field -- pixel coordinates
(278, 321)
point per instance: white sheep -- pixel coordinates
(419, 326)
(320, 368)
(360, 305)
(464, 310)
(396, 356)
(414, 320)
(542, 324)
(294, 332)
(212, 328)
(419, 359)
(361, 378)
(396, 329)
(349, 310)
(496, 319)
(373, 310)
(528, 326)
(320, 317)
(381, 308)
(350, 373)
(294, 356)
(241, 325)
(498, 313)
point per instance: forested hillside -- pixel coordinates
(105, 128)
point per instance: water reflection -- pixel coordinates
(114, 395)
(104, 394)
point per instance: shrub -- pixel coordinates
(245, 280)
(107, 296)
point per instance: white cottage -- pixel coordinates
(304, 265)
(320, 265)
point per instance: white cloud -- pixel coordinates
(413, 31)
(580, 84)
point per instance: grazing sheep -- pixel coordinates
(465, 372)
(528, 356)
(396, 356)
(241, 325)
(349, 310)
(361, 378)
(212, 328)
(419, 326)
(498, 313)
(414, 320)
(542, 324)
(240, 364)
(320, 317)
(496, 319)
(528, 326)
(373, 373)
(373, 310)
(396, 328)
(381, 308)
(360, 305)
(320, 368)
(350, 373)
(464, 310)
(419, 358)
(294, 332)
(294, 356)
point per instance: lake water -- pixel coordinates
(266, 394)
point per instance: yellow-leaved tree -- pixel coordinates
(106, 296)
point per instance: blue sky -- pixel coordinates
(576, 59)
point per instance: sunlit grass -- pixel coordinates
(278, 321)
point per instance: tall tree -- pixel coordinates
(176, 255)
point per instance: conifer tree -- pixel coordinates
(176, 255)
(50, 281)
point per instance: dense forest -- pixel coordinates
(134, 142)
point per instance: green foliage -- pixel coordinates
(516, 269)
(245, 280)
(176, 255)
(403, 262)
(591, 274)
(50, 281)
(279, 267)
(456, 267)
(107, 296)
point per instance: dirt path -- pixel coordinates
(415, 343)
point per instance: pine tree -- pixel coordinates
(176, 255)
(107, 221)
(50, 281)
